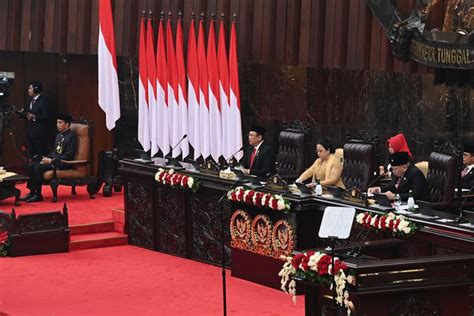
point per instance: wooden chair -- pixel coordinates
(82, 166)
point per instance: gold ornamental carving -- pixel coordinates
(283, 239)
(262, 235)
(240, 230)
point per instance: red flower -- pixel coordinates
(382, 224)
(233, 196)
(3, 237)
(274, 204)
(323, 265)
(304, 262)
(297, 260)
(248, 197)
(395, 224)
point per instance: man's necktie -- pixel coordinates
(464, 172)
(31, 103)
(252, 157)
(398, 183)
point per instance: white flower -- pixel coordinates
(407, 230)
(372, 221)
(171, 171)
(190, 182)
(360, 218)
(281, 205)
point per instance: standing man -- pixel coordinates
(65, 148)
(405, 178)
(467, 174)
(259, 158)
(37, 125)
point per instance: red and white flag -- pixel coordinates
(109, 99)
(224, 93)
(143, 117)
(183, 107)
(193, 93)
(175, 135)
(151, 70)
(203, 95)
(214, 108)
(161, 93)
(235, 122)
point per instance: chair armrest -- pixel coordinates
(74, 162)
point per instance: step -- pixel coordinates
(92, 228)
(119, 219)
(87, 241)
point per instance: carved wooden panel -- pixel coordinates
(172, 221)
(39, 222)
(418, 305)
(139, 210)
(206, 229)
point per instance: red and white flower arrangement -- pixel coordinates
(397, 224)
(3, 243)
(259, 199)
(317, 267)
(176, 179)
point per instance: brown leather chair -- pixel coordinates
(441, 178)
(291, 154)
(360, 164)
(82, 165)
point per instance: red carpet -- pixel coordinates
(127, 280)
(81, 208)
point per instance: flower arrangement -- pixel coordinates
(3, 243)
(176, 179)
(260, 199)
(317, 267)
(397, 224)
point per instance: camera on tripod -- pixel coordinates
(6, 80)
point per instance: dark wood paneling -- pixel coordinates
(318, 10)
(25, 25)
(257, 39)
(3, 24)
(292, 32)
(280, 34)
(49, 21)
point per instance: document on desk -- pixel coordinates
(337, 222)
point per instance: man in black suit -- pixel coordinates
(405, 178)
(467, 174)
(259, 158)
(37, 125)
(65, 148)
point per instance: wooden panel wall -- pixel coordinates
(338, 34)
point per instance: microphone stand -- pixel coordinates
(223, 212)
(173, 161)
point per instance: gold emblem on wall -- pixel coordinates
(283, 239)
(240, 227)
(262, 235)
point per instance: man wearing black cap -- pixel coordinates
(405, 178)
(64, 149)
(467, 174)
(259, 158)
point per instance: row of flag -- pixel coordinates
(180, 104)
(196, 103)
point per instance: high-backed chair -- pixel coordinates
(441, 178)
(360, 164)
(423, 166)
(292, 150)
(78, 175)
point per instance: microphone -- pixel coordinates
(172, 161)
(232, 156)
(462, 203)
(374, 181)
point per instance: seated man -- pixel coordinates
(64, 149)
(405, 178)
(259, 158)
(467, 174)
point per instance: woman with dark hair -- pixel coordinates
(327, 168)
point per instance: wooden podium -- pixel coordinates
(429, 285)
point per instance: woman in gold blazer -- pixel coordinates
(327, 168)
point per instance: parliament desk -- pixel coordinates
(188, 224)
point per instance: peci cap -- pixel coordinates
(65, 117)
(469, 148)
(398, 159)
(258, 129)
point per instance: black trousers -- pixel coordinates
(37, 146)
(35, 172)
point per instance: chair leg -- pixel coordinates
(54, 188)
(73, 189)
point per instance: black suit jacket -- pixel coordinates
(414, 180)
(264, 162)
(65, 148)
(468, 180)
(40, 126)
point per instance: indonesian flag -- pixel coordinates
(214, 108)
(173, 91)
(224, 93)
(143, 117)
(109, 99)
(235, 121)
(193, 93)
(152, 107)
(161, 88)
(203, 95)
(183, 107)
